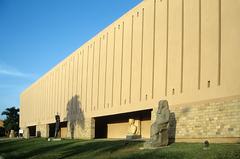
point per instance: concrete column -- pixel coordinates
(42, 130)
(92, 128)
(84, 129)
(26, 134)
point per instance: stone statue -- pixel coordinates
(12, 134)
(159, 129)
(57, 125)
(133, 130)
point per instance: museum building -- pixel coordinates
(184, 51)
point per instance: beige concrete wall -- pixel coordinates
(117, 130)
(145, 128)
(183, 51)
(64, 131)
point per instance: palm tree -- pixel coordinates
(12, 119)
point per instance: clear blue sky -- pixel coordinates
(37, 34)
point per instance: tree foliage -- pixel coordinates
(12, 119)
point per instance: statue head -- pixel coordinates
(57, 117)
(131, 121)
(162, 106)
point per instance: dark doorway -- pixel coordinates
(100, 127)
(102, 123)
(62, 132)
(51, 129)
(32, 131)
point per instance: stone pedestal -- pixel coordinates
(132, 137)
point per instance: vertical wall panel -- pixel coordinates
(57, 90)
(29, 106)
(38, 103)
(105, 71)
(102, 72)
(47, 87)
(55, 93)
(90, 69)
(71, 78)
(34, 103)
(117, 65)
(49, 96)
(74, 76)
(136, 57)
(230, 43)
(160, 49)
(126, 59)
(43, 99)
(148, 50)
(95, 74)
(84, 75)
(175, 44)
(39, 100)
(209, 49)
(191, 46)
(98, 70)
(74, 86)
(61, 93)
(109, 68)
(80, 76)
(65, 89)
(67, 84)
(87, 78)
(92, 79)
(77, 75)
(53, 96)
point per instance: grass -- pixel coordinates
(104, 149)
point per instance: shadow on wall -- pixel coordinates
(172, 128)
(75, 115)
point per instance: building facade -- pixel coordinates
(183, 51)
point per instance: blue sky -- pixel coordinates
(37, 34)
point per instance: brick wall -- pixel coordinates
(216, 120)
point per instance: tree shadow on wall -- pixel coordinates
(75, 115)
(172, 128)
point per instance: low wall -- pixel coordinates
(216, 120)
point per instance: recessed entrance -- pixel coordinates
(51, 129)
(32, 131)
(116, 126)
(62, 131)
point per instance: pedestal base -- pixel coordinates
(132, 137)
(54, 139)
